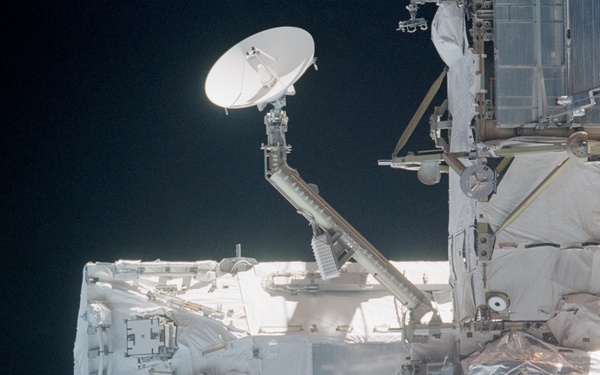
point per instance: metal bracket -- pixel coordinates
(485, 241)
(413, 23)
(436, 125)
(575, 105)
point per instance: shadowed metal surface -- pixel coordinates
(584, 65)
(544, 49)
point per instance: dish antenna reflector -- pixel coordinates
(261, 69)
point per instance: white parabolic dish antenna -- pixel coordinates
(260, 69)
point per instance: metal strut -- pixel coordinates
(322, 216)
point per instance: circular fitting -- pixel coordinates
(577, 145)
(497, 303)
(477, 181)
